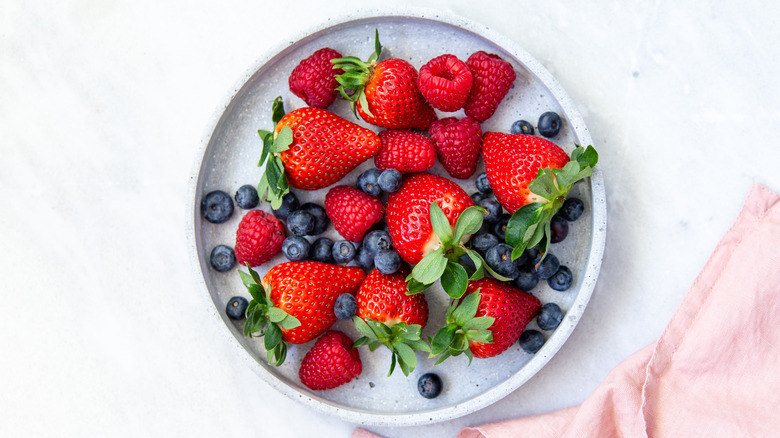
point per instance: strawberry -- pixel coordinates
(352, 211)
(406, 151)
(387, 316)
(314, 78)
(259, 238)
(445, 82)
(486, 321)
(294, 302)
(385, 93)
(493, 77)
(458, 143)
(309, 149)
(331, 362)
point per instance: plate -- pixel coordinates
(232, 148)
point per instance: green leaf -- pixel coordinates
(478, 262)
(479, 323)
(495, 274)
(274, 171)
(268, 143)
(276, 315)
(470, 356)
(392, 365)
(255, 276)
(544, 184)
(283, 140)
(440, 223)
(362, 341)
(277, 110)
(430, 267)
(441, 341)
(256, 292)
(290, 322)
(469, 222)
(483, 336)
(587, 158)
(444, 356)
(246, 278)
(454, 280)
(363, 328)
(262, 186)
(518, 224)
(466, 309)
(419, 345)
(406, 354)
(273, 336)
(414, 287)
(364, 104)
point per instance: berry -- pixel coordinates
(216, 207)
(493, 210)
(222, 258)
(353, 212)
(345, 307)
(483, 242)
(478, 196)
(526, 280)
(561, 280)
(320, 250)
(289, 204)
(493, 77)
(314, 78)
(531, 341)
(364, 258)
(559, 229)
(547, 267)
(445, 82)
(429, 385)
(343, 251)
(368, 182)
(499, 258)
(390, 180)
(321, 220)
(482, 183)
(387, 261)
(405, 151)
(236, 308)
(331, 362)
(572, 209)
(259, 238)
(376, 240)
(549, 124)
(295, 248)
(499, 228)
(522, 127)
(457, 143)
(533, 256)
(246, 197)
(550, 316)
(300, 223)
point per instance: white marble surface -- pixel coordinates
(103, 106)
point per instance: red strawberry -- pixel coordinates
(458, 143)
(331, 362)
(493, 77)
(314, 79)
(405, 151)
(352, 211)
(445, 82)
(259, 238)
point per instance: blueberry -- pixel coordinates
(429, 385)
(499, 228)
(236, 308)
(368, 182)
(246, 197)
(572, 209)
(364, 258)
(547, 267)
(345, 306)
(300, 223)
(343, 251)
(550, 317)
(376, 240)
(389, 180)
(483, 185)
(483, 242)
(320, 250)
(289, 204)
(526, 281)
(499, 258)
(531, 341)
(549, 124)
(561, 280)
(295, 248)
(533, 255)
(559, 229)
(223, 258)
(478, 196)
(522, 127)
(321, 220)
(387, 261)
(494, 210)
(216, 207)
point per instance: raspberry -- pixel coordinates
(405, 151)
(445, 82)
(458, 143)
(314, 78)
(352, 211)
(259, 238)
(493, 77)
(331, 362)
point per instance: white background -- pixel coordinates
(103, 108)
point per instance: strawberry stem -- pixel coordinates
(274, 181)
(461, 326)
(357, 74)
(400, 338)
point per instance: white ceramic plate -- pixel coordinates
(231, 150)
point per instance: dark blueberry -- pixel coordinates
(343, 251)
(559, 229)
(550, 317)
(429, 385)
(321, 220)
(364, 258)
(376, 240)
(531, 341)
(389, 180)
(368, 182)
(526, 281)
(300, 223)
(561, 280)
(345, 306)
(494, 210)
(216, 207)
(236, 308)
(483, 242)
(499, 228)
(572, 209)
(320, 250)
(533, 255)
(499, 258)
(547, 267)
(289, 204)
(295, 248)
(478, 196)
(522, 127)
(482, 184)
(549, 124)
(246, 197)
(387, 261)
(223, 258)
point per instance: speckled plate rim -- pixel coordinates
(558, 337)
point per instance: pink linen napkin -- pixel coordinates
(714, 372)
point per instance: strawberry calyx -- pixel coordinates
(400, 338)
(462, 326)
(266, 319)
(274, 180)
(530, 225)
(357, 73)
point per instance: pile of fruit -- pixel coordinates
(403, 229)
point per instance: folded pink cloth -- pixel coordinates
(714, 372)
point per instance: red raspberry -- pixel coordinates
(314, 78)
(331, 362)
(259, 238)
(458, 143)
(405, 151)
(352, 211)
(493, 77)
(445, 82)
